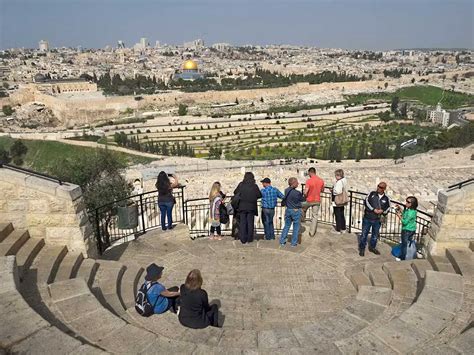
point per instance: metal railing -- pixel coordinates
(113, 224)
(125, 219)
(460, 185)
(31, 172)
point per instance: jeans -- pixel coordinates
(340, 219)
(291, 216)
(367, 224)
(406, 237)
(314, 208)
(267, 218)
(246, 226)
(165, 209)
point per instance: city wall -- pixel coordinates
(89, 109)
(47, 210)
(453, 221)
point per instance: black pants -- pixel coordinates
(173, 301)
(236, 226)
(340, 219)
(212, 314)
(216, 229)
(246, 227)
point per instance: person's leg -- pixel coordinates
(375, 234)
(404, 244)
(270, 217)
(213, 229)
(250, 226)
(219, 230)
(314, 220)
(337, 217)
(296, 226)
(343, 219)
(287, 226)
(243, 227)
(236, 226)
(170, 215)
(162, 208)
(364, 234)
(213, 315)
(266, 225)
(173, 301)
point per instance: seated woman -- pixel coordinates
(161, 298)
(195, 311)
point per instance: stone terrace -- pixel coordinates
(318, 298)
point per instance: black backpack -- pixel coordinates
(223, 214)
(142, 303)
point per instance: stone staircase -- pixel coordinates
(318, 298)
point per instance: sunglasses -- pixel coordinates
(381, 187)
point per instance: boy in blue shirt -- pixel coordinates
(270, 196)
(162, 298)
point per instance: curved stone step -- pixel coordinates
(13, 242)
(462, 261)
(27, 253)
(22, 330)
(5, 230)
(106, 285)
(45, 266)
(376, 275)
(402, 278)
(129, 285)
(87, 271)
(441, 263)
(69, 266)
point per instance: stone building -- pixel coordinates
(65, 86)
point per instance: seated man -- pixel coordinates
(161, 298)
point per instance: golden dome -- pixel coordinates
(190, 65)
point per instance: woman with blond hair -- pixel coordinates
(215, 200)
(339, 200)
(195, 311)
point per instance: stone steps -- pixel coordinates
(28, 253)
(22, 330)
(13, 242)
(462, 261)
(441, 263)
(69, 266)
(5, 230)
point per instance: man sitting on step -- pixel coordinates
(162, 298)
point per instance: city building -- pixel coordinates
(52, 87)
(439, 116)
(190, 71)
(43, 46)
(144, 42)
(120, 44)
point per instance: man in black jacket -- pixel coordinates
(376, 205)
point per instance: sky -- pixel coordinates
(350, 24)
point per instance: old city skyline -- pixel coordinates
(373, 25)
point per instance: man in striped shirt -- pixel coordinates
(270, 197)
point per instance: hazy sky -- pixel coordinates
(365, 24)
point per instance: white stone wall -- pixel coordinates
(47, 210)
(453, 221)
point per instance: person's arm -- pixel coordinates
(306, 189)
(302, 197)
(385, 212)
(205, 300)
(367, 202)
(259, 193)
(337, 190)
(280, 194)
(167, 293)
(176, 183)
(322, 187)
(237, 189)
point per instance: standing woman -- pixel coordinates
(249, 194)
(339, 200)
(408, 218)
(166, 199)
(215, 200)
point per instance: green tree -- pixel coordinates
(394, 104)
(17, 151)
(99, 174)
(182, 110)
(4, 156)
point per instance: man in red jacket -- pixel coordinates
(312, 191)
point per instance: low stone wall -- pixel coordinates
(47, 210)
(453, 221)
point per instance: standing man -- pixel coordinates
(293, 199)
(312, 191)
(376, 204)
(270, 197)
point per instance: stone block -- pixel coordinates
(19, 206)
(236, 338)
(68, 191)
(12, 177)
(464, 342)
(78, 307)
(209, 336)
(18, 320)
(63, 235)
(444, 300)
(312, 334)
(86, 349)
(444, 281)
(61, 206)
(401, 336)
(62, 290)
(379, 295)
(127, 340)
(465, 221)
(47, 341)
(420, 266)
(431, 320)
(41, 185)
(276, 338)
(343, 323)
(38, 206)
(365, 310)
(168, 346)
(363, 345)
(98, 325)
(9, 279)
(359, 279)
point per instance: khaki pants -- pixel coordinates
(313, 207)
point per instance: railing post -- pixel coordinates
(182, 204)
(99, 237)
(142, 212)
(350, 210)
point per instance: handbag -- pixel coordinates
(235, 201)
(411, 250)
(342, 199)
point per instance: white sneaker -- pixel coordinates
(398, 259)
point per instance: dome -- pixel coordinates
(190, 65)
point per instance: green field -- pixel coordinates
(427, 95)
(42, 154)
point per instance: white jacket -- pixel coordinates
(339, 185)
